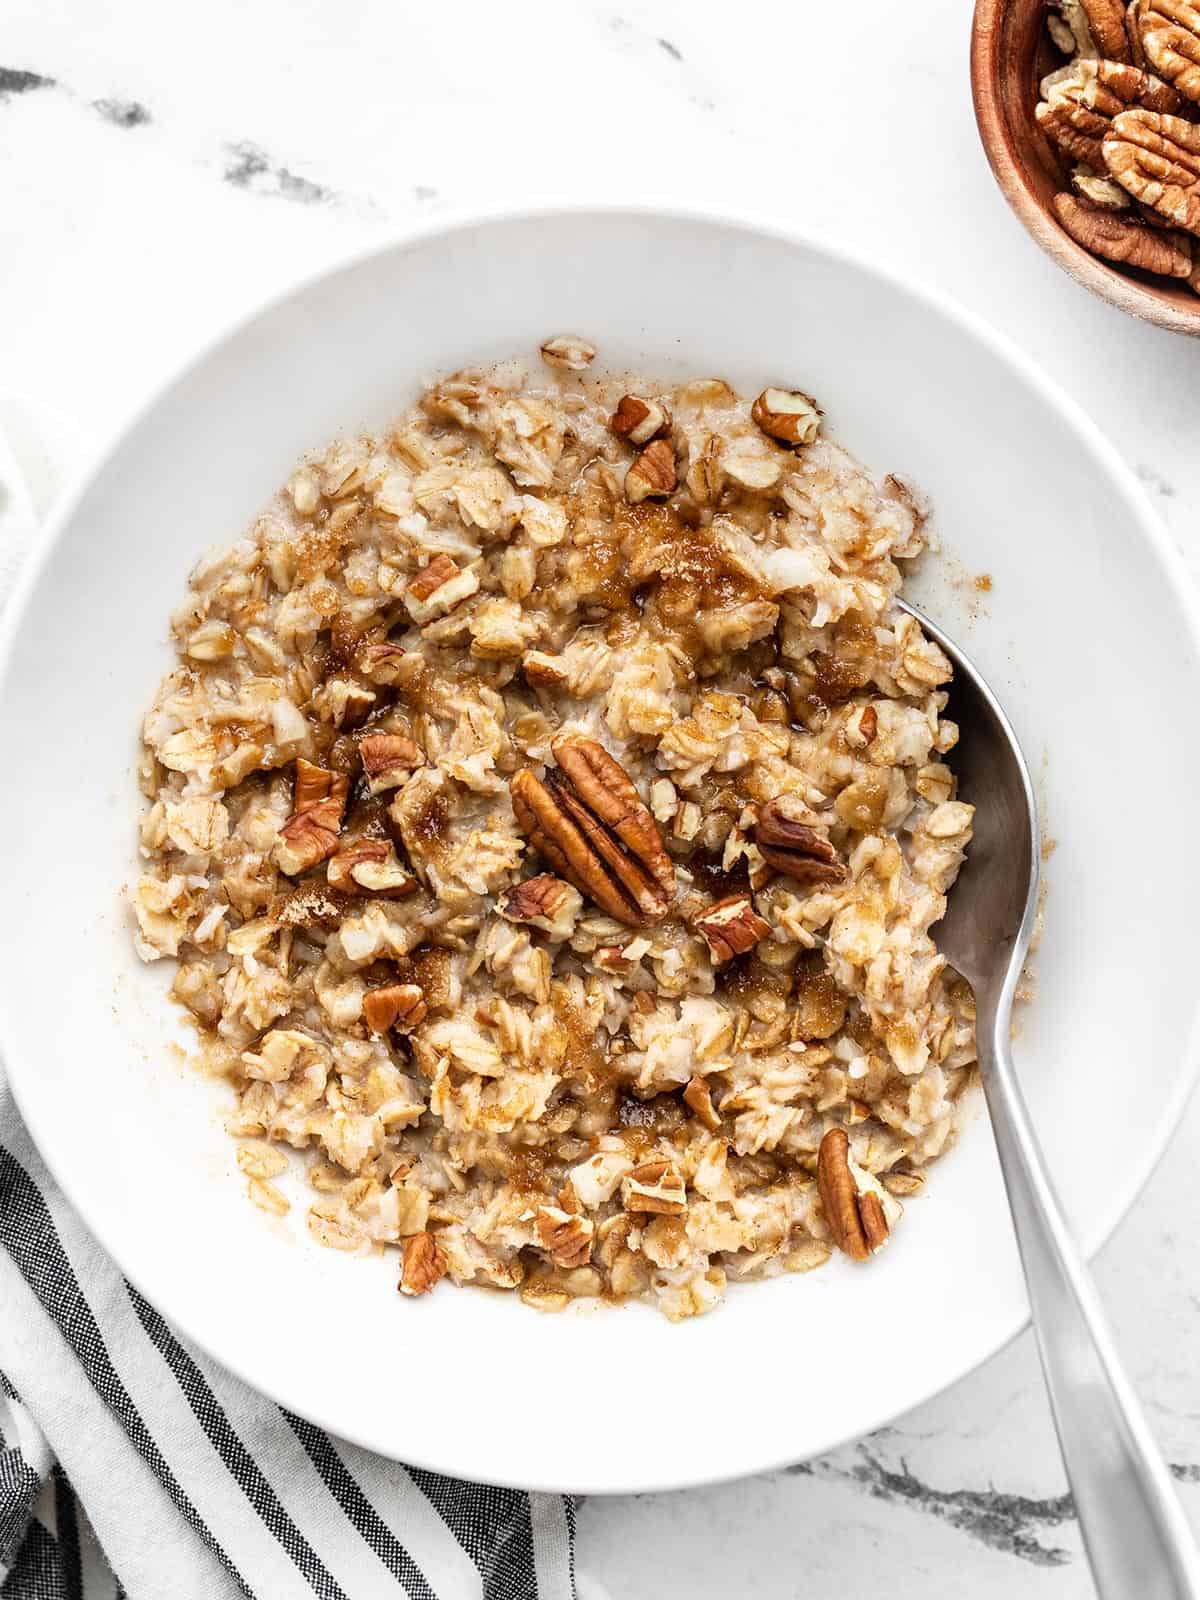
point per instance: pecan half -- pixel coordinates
(387, 760)
(655, 1187)
(857, 1208)
(1157, 159)
(438, 588)
(1079, 103)
(1169, 33)
(1106, 18)
(371, 865)
(1091, 28)
(311, 832)
(787, 415)
(1133, 28)
(566, 1238)
(394, 1005)
(424, 1264)
(652, 474)
(588, 821)
(730, 927)
(640, 420)
(794, 847)
(1125, 239)
(544, 902)
(1103, 193)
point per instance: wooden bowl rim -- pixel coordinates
(1000, 147)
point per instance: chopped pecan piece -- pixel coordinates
(1079, 103)
(370, 864)
(861, 727)
(787, 415)
(859, 1211)
(311, 832)
(387, 760)
(380, 662)
(565, 1237)
(655, 1187)
(698, 1096)
(1157, 159)
(1169, 33)
(652, 475)
(569, 352)
(349, 703)
(730, 927)
(311, 785)
(438, 588)
(794, 847)
(394, 1005)
(590, 824)
(1125, 239)
(542, 671)
(640, 420)
(905, 1183)
(424, 1264)
(612, 958)
(544, 902)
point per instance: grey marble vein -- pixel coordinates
(251, 168)
(1155, 481)
(122, 113)
(15, 80)
(1004, 1522)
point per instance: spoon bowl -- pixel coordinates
(990, 917)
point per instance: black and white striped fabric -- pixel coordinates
(132, 1465)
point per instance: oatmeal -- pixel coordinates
(547, 815)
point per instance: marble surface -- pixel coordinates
(162, 170)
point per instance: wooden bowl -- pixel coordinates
(1010, 54)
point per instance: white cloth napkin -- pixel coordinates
(130, 1464)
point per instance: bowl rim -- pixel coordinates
(1141, 300)
(1099, 1226)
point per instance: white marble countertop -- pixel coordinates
(162, 170)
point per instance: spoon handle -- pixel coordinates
(1137, 1538)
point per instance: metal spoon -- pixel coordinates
(1137, 1538)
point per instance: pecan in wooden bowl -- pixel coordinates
(1089, 112)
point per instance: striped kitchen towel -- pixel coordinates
(123, 1451)
(130, 1464)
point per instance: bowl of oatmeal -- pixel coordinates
(518, 817)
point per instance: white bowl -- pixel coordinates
(1088, 632)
